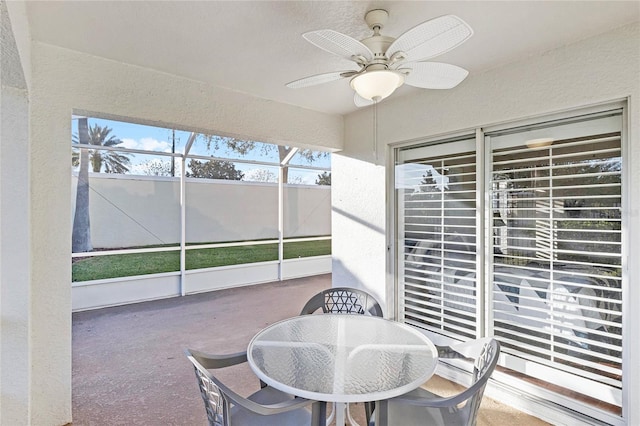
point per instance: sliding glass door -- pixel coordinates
(522, 241)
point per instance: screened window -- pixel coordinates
(131, 182)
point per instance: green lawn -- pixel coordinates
(125, 265)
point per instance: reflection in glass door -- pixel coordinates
(436, 193)
(539, 266)
(557, 266)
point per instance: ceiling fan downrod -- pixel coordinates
(378, 44)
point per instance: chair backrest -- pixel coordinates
(484, 365)
(343, 300)
(211, 390)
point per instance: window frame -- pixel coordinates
(182, 245)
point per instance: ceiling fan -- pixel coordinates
(385, 63)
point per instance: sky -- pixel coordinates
(137, 136)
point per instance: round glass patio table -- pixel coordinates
(342, 358)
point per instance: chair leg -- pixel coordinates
(382, 416)
(368, 410)
(352, 422)
(332, 415)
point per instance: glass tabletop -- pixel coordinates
(342, 358)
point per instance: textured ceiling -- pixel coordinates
(256, 47)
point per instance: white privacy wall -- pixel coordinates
(130, 211)
(600, 69)
(64, 82)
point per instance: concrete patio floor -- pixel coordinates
(129, 367)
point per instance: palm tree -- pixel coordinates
(112, 162)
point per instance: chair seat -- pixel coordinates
(269, 395)
(421, 407)
(406, 414)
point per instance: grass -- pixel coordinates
(125, 265)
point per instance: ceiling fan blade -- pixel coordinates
(319, 79)
(433, 75)
(360, 101)
(431, 38)
(338, 44)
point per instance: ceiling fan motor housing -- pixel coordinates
(378, 45)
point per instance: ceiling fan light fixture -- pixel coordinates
(539, 143)
(377, 84)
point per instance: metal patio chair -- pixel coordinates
(267, 406)
(344, 300)
(421, 407)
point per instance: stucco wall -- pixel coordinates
(595, 70)
(64, 82)
(16, 346)
(128, 211)
(14, 231)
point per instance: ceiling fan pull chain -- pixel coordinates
(375, 129)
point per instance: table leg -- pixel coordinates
(319, 414)
(340, 409)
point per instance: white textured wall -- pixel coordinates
(129, 211)
(599, 69)
(14, 246)
(65, 81)
(109, 89)
(357, 217)
(15, 257)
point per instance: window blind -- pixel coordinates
(557, 265)
(437, 196)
